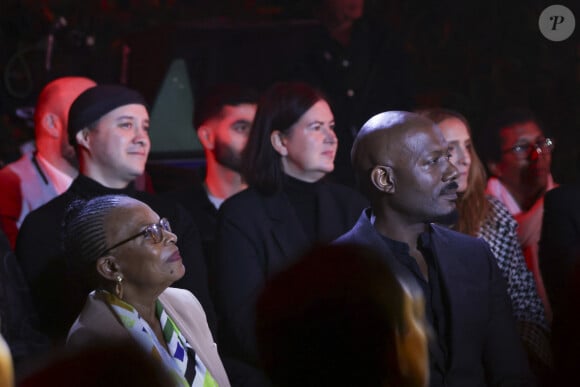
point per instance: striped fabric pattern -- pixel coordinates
(177, 359)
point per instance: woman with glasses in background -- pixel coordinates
(482, 215)
(129, 255)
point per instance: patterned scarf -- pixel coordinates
(176, 361)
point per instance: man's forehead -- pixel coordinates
(528, 129)
(243, 110)
(405, 142)
(242, 107)
(424, 139)
(128, 111)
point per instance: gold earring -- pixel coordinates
(119, 286)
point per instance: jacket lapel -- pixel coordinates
(193, 333)
(450, 274)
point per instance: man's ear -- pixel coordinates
(383, 178)
(107, 267)
(52, 125)
(494, 169)
(277, 140)
(206, 137)
(82, 138)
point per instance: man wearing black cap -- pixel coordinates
(108, 125)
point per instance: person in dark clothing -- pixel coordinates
(17, 312)
(222, 119)
(560, 242)
(287, 208)
(559, 255)
(362, 68)
(348, 321)
(108, 125)
(402, 163)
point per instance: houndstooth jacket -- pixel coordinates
(499, 231)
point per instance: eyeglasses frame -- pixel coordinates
(163, 224)
(545, 145)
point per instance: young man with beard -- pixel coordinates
(36, 178)
(223, 119)
(109, 128)
(519, 155)
(401, 161)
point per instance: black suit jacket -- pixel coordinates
(55, 290)
(559, 246)
(257, 237)
(204, 214)
(484, 346)
(560, 266)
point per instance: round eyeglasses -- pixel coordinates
(542, 146)
(153, 231)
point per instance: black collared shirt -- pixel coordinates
(436, 301)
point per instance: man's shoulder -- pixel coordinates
(192, 197)
(23, 162)
(55, 206)
(158, 203)
(9, 181)
(191, 191)
(564, 194)
(9, 174)
(362, 232)
(245, 201)
(455, 238)
(351, 236)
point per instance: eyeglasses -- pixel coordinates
(545, 145)
(153, 231)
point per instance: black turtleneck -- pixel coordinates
(303, 197)
(87, 188)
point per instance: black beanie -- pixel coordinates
(97, 101)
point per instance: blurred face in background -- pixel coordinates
(457, 136)
(342, 11)
(526, 158)
(230, 132)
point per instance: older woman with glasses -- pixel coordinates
(485, 216)
(129, 254)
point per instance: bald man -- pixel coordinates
(35, 179)
(401, 162)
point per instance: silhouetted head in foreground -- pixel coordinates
(341, 317)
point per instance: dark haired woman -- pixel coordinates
(287, 208)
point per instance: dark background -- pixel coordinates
(473, 56)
